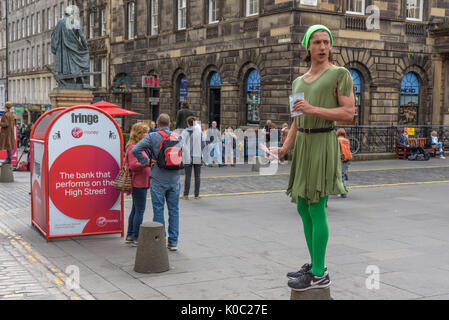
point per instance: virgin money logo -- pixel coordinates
(101, 221)
(77, 133)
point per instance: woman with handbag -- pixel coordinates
(140, 177)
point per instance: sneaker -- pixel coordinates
(310, 281)
(197, 197)
(185, 197)
(305, 268)
(135, 243)
(172, 247)
(129, 239)
(442, 157)
(343, 195)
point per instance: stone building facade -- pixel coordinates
(187, 43)
(30, 24)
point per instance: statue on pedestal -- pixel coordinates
(69, 46)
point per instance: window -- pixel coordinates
(103, 72)
(154, 11)
(213, 11)
(49, 54)
(28, 25)
(39, 56)
(55, 15)
(24, 28)
(409, 104)
(131, 19)
(182, 90)
(48, 19)
(252, 7)
(33, 58)
(182, 14)
(355, 6)
(253, 97)
(414, 10)
(38, 18)
(103, 22)
(357, 95)
(91, 24)
(33, 25)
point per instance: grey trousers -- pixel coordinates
(188, 175)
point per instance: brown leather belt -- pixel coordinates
(315, 130)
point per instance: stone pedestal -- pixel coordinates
(69, 98)
(6, 174)
(151, 255)
(312, 294)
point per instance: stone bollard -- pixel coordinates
(311, 294)
(151, 255)
(6, 174)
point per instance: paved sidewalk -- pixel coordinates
(238, 245)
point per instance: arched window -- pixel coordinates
(409, 106)
(215, 80)
(182, 90)
(357, 95)
(253, 97)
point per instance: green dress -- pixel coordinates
(316, 169)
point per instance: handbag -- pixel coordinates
(123, 181)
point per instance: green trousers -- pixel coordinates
(316, 232)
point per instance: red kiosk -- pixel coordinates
(76, 153)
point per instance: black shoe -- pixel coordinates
(305, 268)
(310, 281)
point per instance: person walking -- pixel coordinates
(7, 132)
(165, 184)
(205, 151)
(215, 145)
(191, 156)
(316, 171)
(284, 134)
(229, 140)
(140, 177)
(183, 114)
(345, 156)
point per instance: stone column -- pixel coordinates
(437, 64)
(446, 93)
(230, 103)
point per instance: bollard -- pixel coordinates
(6, 174)
(151, 255)
(311, 294)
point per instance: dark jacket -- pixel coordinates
(181, 118)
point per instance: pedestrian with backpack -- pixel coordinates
(345, 155)
(165, 150)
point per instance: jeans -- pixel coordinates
(139, 196)
(344, 172)
(170, 193)
(197, 172)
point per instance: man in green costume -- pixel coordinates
(316, 170)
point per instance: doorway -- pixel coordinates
(214, 105)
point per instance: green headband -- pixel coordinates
(311, 30)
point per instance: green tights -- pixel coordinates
(316, 232)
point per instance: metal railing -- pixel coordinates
(381, 139)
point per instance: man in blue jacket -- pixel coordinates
(165, 184)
